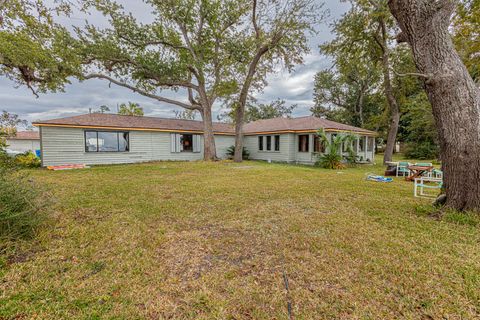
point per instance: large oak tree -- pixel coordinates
(189, 46)
(454, 96)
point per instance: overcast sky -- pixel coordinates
(295, 88)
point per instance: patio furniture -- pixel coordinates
(418, 171)
(425, 164)
(436, 173)
(423, 183)
(402, 169)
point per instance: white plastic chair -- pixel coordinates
(423, 183)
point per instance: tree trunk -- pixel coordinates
(453, 94)
(360, 106)
(239, 120)
(209, 151)
(242, 100)
(392, 102)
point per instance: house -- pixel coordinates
(101, 138)
(24, 141)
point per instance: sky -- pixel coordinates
(295, 87)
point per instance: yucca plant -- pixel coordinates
(333, 158)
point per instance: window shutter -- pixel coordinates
(197, 144)
(178, 142)
(173, 143)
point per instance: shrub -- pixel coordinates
(21, 206)
(333, 158)
(422, 151)
(231, 153)
(28, 160)
(330, 160)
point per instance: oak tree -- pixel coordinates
(454, 96)
(188, 47)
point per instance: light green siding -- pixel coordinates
(289, 149)
(67, 146)
(284, 155)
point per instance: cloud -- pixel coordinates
(77, 98)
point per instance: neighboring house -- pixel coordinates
(107, 139)
(24, 141)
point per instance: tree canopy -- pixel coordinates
(257, 111)
(466, 35)
(130, 109)
(35, 51)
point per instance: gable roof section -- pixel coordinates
(300, 124)
(25, 135)
(276, 125)
(114, 121)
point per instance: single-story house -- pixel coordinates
(101, 138)
(24, 141)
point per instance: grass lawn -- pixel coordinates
(214, 241)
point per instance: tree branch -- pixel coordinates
(254, 20)
(414, 74)
(151, 43)
(142, 92)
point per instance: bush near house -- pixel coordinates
(332, 158)
(28, 160)
(231, 153)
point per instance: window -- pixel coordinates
(303, 143)
(318, 144)
(370, 144)
(186, 143)
(260, 142)
(106, 141)
(91, 142)
(361, 144)
(269, 143)
(277, 143)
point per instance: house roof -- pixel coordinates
(26, 135)
(309, 123)
(115, 121)
(276, 125)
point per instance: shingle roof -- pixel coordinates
(299, 124)
(105, 120)
(26, 135)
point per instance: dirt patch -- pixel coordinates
(190, 254)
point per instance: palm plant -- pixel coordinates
(332, 158)
(132, 109)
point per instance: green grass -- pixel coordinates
(213, 240)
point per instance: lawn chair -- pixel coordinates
(428, 183)
(436, 173)
(402, 169)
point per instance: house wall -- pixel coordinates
(67, 146)
(23, 145)
(284, 155)
(289, 149)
